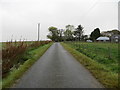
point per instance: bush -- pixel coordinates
(11, 54)
(16, 53)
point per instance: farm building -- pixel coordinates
(103, 39)
(115, 38)
(89, 41)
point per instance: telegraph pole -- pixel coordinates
(118, 18)
(38, 30)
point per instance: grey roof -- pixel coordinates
(103, 38)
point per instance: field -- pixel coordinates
(104, 55)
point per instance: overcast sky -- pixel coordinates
(20, 17)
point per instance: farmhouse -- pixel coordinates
(115, 38)
(103, 39)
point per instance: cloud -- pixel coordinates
(20, 17)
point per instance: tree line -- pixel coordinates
(71, 34)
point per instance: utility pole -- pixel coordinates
(38, 30)
(118, 18)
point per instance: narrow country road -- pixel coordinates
(57, 69)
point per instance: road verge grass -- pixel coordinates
(99, 71)
(16, 74)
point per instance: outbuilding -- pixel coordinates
(103, 39)
(115, 38)
(89, 41)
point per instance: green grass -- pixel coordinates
(99, 70)
(104, 53)
(16, 74)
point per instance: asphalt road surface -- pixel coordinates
(57, 69)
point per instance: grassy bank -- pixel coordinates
(33, 56)
(104, 75)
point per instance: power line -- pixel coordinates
(88, 11)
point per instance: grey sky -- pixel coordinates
(20, 17)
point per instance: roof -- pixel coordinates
(103, 38)
(115, 35)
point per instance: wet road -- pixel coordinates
(57, 69)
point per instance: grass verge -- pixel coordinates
(16, 74)
(99, 71)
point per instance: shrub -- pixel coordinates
(16, 53)
(11, 54)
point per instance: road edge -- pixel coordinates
(15, 75)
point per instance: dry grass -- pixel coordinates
(12, 54)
